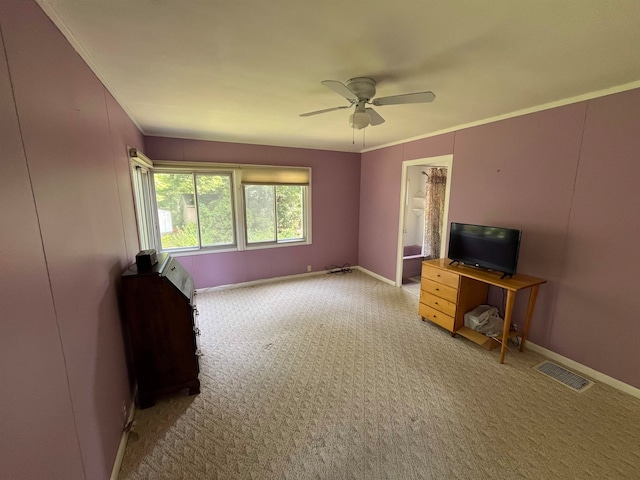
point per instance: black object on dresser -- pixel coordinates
(160, 328)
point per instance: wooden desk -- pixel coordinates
(160, 327)
(447, 292)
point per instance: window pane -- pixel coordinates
(176, 210)
(290, 210)
(144, 212)
(215, 210)
(260, 213)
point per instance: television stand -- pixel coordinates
(449, 291)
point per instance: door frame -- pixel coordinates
(440, 161)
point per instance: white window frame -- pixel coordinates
(147, 202)
(143, 199)
(234, 210)
(258, 245)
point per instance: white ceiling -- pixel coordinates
(243, 70)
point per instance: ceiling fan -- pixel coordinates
(360, 92)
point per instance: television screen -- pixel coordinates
(491, 248)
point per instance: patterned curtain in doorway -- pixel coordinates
(434, 211)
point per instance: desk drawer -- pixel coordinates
(449, 279)
(436, 317)
(439, 290)
(439, 304)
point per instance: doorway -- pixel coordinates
(413, 216)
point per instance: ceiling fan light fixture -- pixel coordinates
(359, 120)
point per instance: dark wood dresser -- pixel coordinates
(160, 328)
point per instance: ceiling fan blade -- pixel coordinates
(374, 117)
(324, 111)
(341, 89)
(420, 97)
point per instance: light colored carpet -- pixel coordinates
(413, 288)
(336, 377)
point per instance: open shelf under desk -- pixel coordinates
(485, 342)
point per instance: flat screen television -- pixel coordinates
(482, 246)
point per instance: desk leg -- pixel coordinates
(532, 302)
(511, 296)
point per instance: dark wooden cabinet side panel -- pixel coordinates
(175, 343)
(138, 293)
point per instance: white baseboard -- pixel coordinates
(261, 281)
(123, 439)
(289, 277)
(376, 276)
(590, 372)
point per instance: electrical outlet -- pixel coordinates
(308, 268)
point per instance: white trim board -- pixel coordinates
(261, 281)
(117, 464)
(290, 277)
(376, 276)
(590, 372)
(518, 113)
(50, 11)
(439, 161)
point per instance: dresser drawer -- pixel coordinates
(436, 317)
(439, 290)
(449, 279)
(439, 304)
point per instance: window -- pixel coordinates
(274, 213)
(194, 210)
(142, 190)
(213, 207)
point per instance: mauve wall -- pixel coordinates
(597, 314)
(380, 200)
(568, 177)
(68, 232)
(519, 173)
(37, 434)
(335, 193)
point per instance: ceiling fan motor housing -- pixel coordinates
(364, 88)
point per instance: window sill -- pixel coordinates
(186, 253)
(277, 245)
